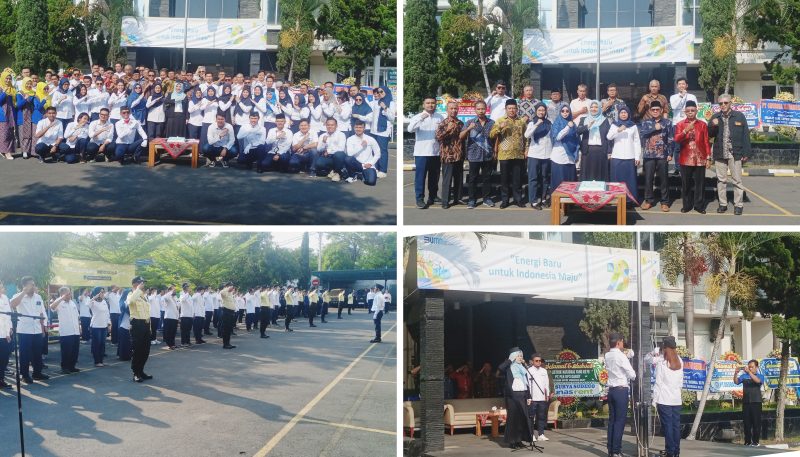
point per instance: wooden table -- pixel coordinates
(495, 420)
(560, 200)
(155, 154)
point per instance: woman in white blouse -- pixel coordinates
(116, 101)
(155, 113)
(76, 137)
(626, 152)
(101, 319)
(541, 146)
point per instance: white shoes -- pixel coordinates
(533, 439)
(351, 179)
(543, 438)
(335, 177)
(381, 174)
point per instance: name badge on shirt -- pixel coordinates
(737, 123)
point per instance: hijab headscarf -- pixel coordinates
(383, 121)
(257, 97)
(570, 141)
(517, 370)
(544, 128)
(301, 101)
(8, 88)
(177, 93)
(224, 98)
(41, 93)
(195, 98)
(246, 101)
(628, 123)
(61, 83)
(25, 91)
(285, 98)
(212, 98)
(158, 98)
(363, 109)
(133, 95)
(596, 120)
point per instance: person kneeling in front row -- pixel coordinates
(221, 145)
(363, 152)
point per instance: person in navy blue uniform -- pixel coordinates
(751, 381)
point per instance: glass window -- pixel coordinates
(545, 9)
(213, 9)
(197, 8)
(587, 15)
(691, 16)
(789, 89)
(179, 8)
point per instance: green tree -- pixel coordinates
(380, 253)
(683, 258)
(67, 32)
(113, 247)
(737, 288)
(28, 254)
(8, 24)
(337, 256)
(601, 317)
(361, 30)
(109, 13)
(717, 63)
(459, 38)
(512, 17)
(419, 54)
(296, 36)
(610, 239)
(778, 21)
(775, 267)
(33, 46)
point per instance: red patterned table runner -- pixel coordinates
(174, 148)
(593, 200)
(485, 417)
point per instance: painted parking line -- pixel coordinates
(310, 405)
(352, 427)
(769, 202)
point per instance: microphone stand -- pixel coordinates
(14, 319)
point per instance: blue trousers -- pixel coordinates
(204, 135)
(193, 131)
(383, 162)
(5, 355)
(617, 412)
(93, 149)
(427, 168)
(72, 155)
(671, 426)
(131, 149)
(99, 344)
(297, 161)
(70, 345)
(85, 332)
(377, 321)
(30, 352)
(197, 328)
(249, 320)
(254, 155)
(538, 179)
(125, 346)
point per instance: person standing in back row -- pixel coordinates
(228, 314)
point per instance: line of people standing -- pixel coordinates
(550, 140)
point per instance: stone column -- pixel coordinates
(432, 375)
(536, 79)
(747, 340)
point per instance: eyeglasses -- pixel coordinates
(724, 103)
(537, 360)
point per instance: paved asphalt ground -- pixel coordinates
(589, 442)
(174, 193)
(772, 201)
(314, 392)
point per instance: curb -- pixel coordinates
(769, 172)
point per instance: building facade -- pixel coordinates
(237, 36)
(622, 22)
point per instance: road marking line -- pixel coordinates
(3, 216)
(107, 218)
(353, 427)
(369, 380)
(768, 202)
(310, 405)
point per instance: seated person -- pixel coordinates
(101, 137)
(49, 133)
(279, 140)
(303, 143)
(128, 131)
(75, 138)
(253, 139)
(363, 152)
(221, 142)
(330, 151)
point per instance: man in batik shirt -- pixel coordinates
(451, 152)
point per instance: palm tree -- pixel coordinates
(684, 256)
(726, 279)
(109, 14)
(299, 37)
(512, 17)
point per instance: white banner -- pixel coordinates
(617, 45)
(457, 261)
(202, 33)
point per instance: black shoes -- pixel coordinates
(503, 205)
(40, 377)
(737, 211)
(137, 379)
(375, 340)
(421, 203)
(312, 325)
(146, 376)
(264, 336)
(229, 347)
(722, 209)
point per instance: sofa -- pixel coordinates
(411, 416)
(461, 413)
